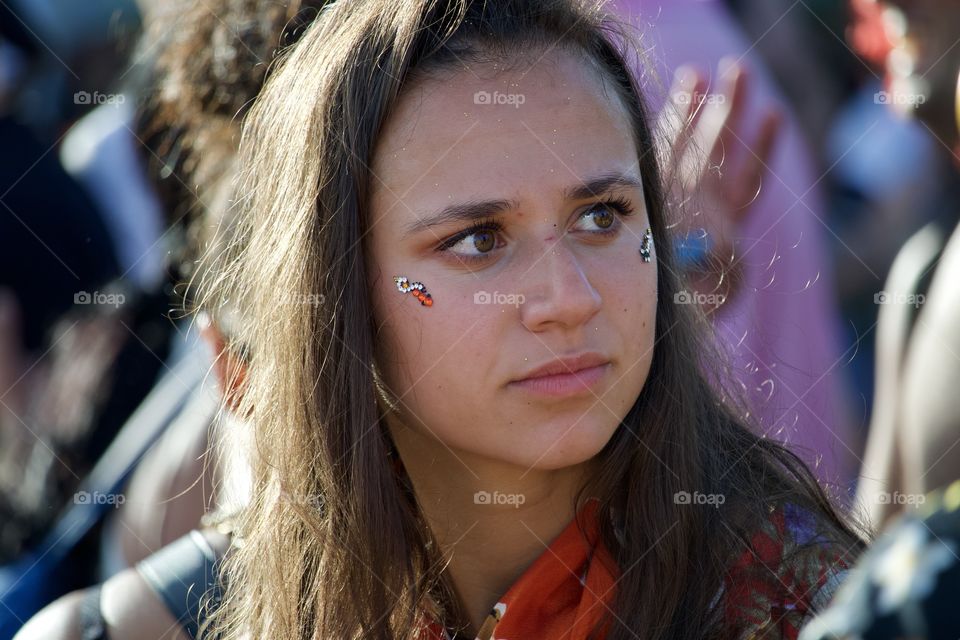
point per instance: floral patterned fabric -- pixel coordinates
(770, 589)
(907, 585)
(786, 575)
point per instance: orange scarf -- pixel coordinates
(564, 593)
(561, 596)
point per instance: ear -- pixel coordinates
(230, 369)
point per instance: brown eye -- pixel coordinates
(477, 243)
(483, 241)
(603, 217)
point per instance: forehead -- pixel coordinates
(485, 131)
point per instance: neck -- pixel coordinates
(491, 519)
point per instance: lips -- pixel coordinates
(565, 365)
(565, 376)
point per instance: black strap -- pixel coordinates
(92, 626)
(185, 574)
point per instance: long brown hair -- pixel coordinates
(333, 544)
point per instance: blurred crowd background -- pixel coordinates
(118, 121)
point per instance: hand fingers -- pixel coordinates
(756, 163)
(689, 86)
(735, 82)
(683, 109)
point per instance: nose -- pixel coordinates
(558, 292)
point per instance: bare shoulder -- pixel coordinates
(59, 620)
(129, 607)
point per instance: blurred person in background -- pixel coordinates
(80, 343)
(157, 550)
(78, 416)
(53, 241)
(907, 584)
(914, 443)
(889, 178)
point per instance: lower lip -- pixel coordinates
(564, 384)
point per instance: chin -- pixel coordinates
(558, 445)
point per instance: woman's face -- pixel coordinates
(549, 274)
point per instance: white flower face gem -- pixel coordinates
(415, 288)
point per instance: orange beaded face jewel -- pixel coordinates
(414, 288)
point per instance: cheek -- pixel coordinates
(628, 287)
(638, 310)
(439, 359)
(630, 314)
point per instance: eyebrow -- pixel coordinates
(473, 210)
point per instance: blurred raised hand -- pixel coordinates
(719, 160)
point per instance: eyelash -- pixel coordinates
(620, 204)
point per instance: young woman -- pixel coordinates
(477, 402)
